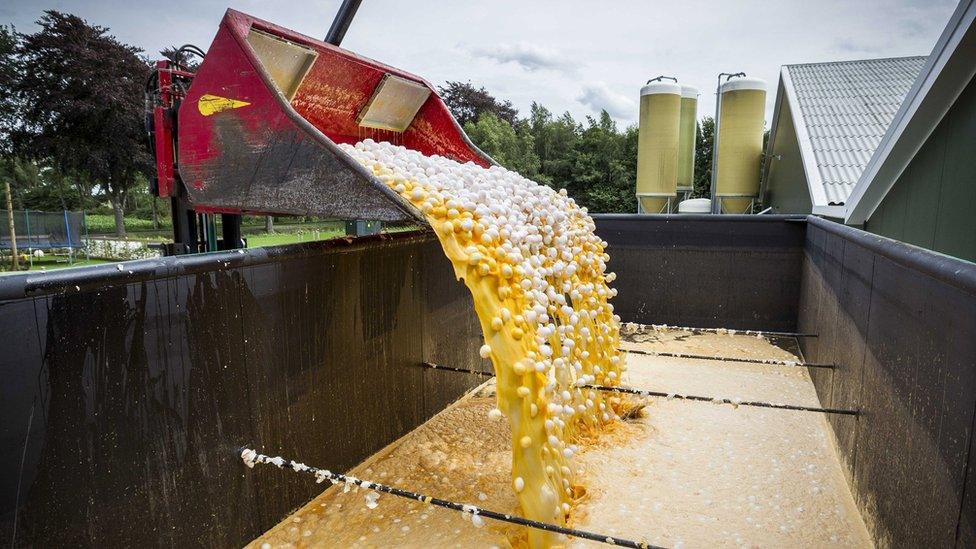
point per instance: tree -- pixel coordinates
(11, 228)
(81, 96)
(596, 163)
(601, 179)
(554, 142)
(35, 183)
(510, 147)
(468, 103)
(9, 72)
(704, 138)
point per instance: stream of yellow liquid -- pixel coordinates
(539, 394)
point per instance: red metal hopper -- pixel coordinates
(258, 128)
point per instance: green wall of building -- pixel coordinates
(933, 203)
(787, 190)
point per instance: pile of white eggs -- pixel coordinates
(538, 275)
(544, 235)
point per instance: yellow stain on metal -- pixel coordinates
(212, 104)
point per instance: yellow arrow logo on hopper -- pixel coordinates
(212, 104)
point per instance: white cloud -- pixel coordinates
(530, 57)
(598, 96)
(546, 50)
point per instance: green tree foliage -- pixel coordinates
(554, 140)
(601, 180)
(595, 162)
(43, 187)
(23, 176)
(468, 103)
(510, 147)
(9, 73)
(704, 138)
(81, 97)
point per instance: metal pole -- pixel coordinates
(211, 225)
(252, 457)
(84, 221)
(30, 246)
(231, 227)
(724, 331)
(774, 362)
(15, 263)
(342, 21)
(718, 105)
(716, 400)
(67, 231)
(661, 394)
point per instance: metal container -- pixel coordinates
(657, 146)
(742, 108)
(695, 206)
(260, 124)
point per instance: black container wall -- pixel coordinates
(707, 271)
(126, 393)
(900, 323)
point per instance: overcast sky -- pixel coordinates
(568, 55)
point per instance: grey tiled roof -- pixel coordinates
(846, 107)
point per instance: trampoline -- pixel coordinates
(36, 230)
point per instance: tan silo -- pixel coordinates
(657, 146)
(742, 109)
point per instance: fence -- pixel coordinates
(44, 230)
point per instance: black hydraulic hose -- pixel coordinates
(192, 49)
(342, 21)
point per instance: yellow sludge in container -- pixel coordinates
(740, 134)
(686, 138)
(537, 275)
(657, 146)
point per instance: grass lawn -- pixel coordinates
(277, 239)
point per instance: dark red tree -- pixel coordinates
(80, 94)
(467, 103)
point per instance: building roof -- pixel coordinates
(841, 111)
(946, 73)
